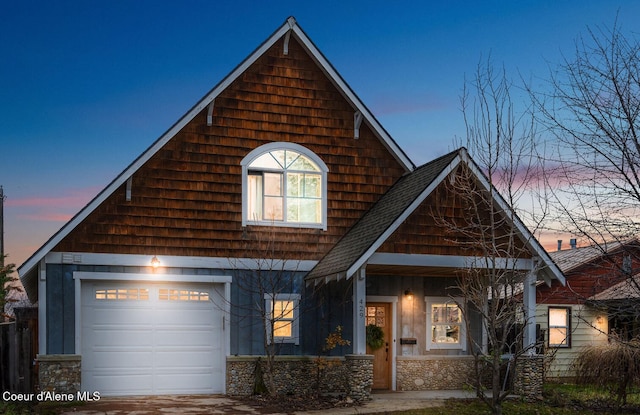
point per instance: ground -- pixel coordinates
(192, 404)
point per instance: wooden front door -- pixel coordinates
(380, 315)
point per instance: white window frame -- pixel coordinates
(295, 322)
(253, 155)
(462, 344)
(567, 326)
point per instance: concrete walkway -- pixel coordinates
(219, 404)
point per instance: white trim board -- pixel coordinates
(289, 25)
(169, 261)
(449, 261)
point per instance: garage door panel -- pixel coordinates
(112, 336)
(154, 345)
(184, 359)
(186, 316)
(179, 337)
(134, 361)
(122, 384)
(120, 315)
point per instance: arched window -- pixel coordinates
(284, 184)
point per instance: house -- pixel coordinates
(599, 300)
(278, 197)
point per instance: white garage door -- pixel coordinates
(141, 338)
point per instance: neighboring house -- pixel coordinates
(280, 189)
(599, 299)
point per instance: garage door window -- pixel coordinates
(122, 294)
(166, 294)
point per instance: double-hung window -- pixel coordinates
(445, 324)
(284, 184)
(559, 326)
(282, 314)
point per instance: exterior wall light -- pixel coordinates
(408, 294)
(155, 262)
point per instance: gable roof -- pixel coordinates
(625, 290)
(371, 230)
(571, 259)
(289, 28)
(395, 206)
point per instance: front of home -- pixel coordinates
(278, 199)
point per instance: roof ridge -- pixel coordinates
(290, 25)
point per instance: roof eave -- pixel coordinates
(353, 99)
(362, 260)
(289, 24)
(550, 270)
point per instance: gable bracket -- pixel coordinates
(291, 22)
(128, 190)
(357, 121)
(210, 113)
(286, 43)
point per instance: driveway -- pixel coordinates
(220, 404)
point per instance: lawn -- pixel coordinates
(558, 399)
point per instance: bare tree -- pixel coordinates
(269, 299)
(592, 115)
(502, 143)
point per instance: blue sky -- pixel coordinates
(87, 86)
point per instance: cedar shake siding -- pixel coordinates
(187, 199)
(425, 231)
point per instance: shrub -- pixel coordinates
(615, 367)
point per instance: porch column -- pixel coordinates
(359, 310)
(529, 299)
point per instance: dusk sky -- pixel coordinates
(87, 86)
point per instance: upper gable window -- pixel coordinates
(284, 184)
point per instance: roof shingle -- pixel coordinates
(380, 218)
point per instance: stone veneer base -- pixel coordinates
(60, 373)
(420, 373)
(350, 376)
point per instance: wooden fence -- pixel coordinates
(18, 349)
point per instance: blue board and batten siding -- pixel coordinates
(60, 309)
(321, 310)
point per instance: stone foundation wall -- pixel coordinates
(301, 375)
(59, 373)
(360, 372)
(419, 373)
(529, 376)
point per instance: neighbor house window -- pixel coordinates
(282, 313)
(284, 184)
(445, 324)
(559, 327)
